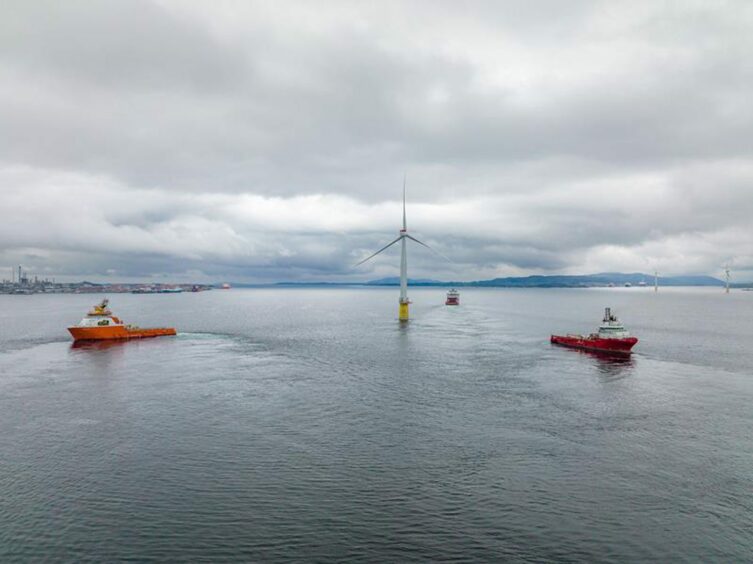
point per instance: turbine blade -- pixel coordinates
(405, 223)
(428, 247)
(379, 251)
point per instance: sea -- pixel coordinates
(309, 425)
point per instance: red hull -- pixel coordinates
(611, 346)
(450, 301)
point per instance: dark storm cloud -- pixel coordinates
(268, 141)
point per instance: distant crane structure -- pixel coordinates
(404, 302)
(20, 276)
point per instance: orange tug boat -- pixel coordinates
(101, 325)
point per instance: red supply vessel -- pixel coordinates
(612, 338)
(453, 297)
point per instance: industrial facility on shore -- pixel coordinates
(23, 284)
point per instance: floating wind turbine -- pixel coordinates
(402, 239)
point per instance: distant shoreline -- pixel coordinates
(601, 280)
(27, 287)
(104, 290)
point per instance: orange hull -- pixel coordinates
(117, 332)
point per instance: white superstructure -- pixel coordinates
(611, 328)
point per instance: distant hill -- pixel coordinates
(536, 281)
(395, 281)
(563, 281)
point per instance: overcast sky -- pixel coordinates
(267, 141)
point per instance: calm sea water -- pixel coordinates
(308, 425)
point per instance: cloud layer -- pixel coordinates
(267, 141)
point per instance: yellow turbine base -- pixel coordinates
(403, 314)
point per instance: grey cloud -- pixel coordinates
(556, 133)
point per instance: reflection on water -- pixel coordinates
(114, 344)
(102, 357)
(612, 365)
(99, 345)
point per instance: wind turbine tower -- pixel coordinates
(656, 280)
(404, 302)
(726, 278)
